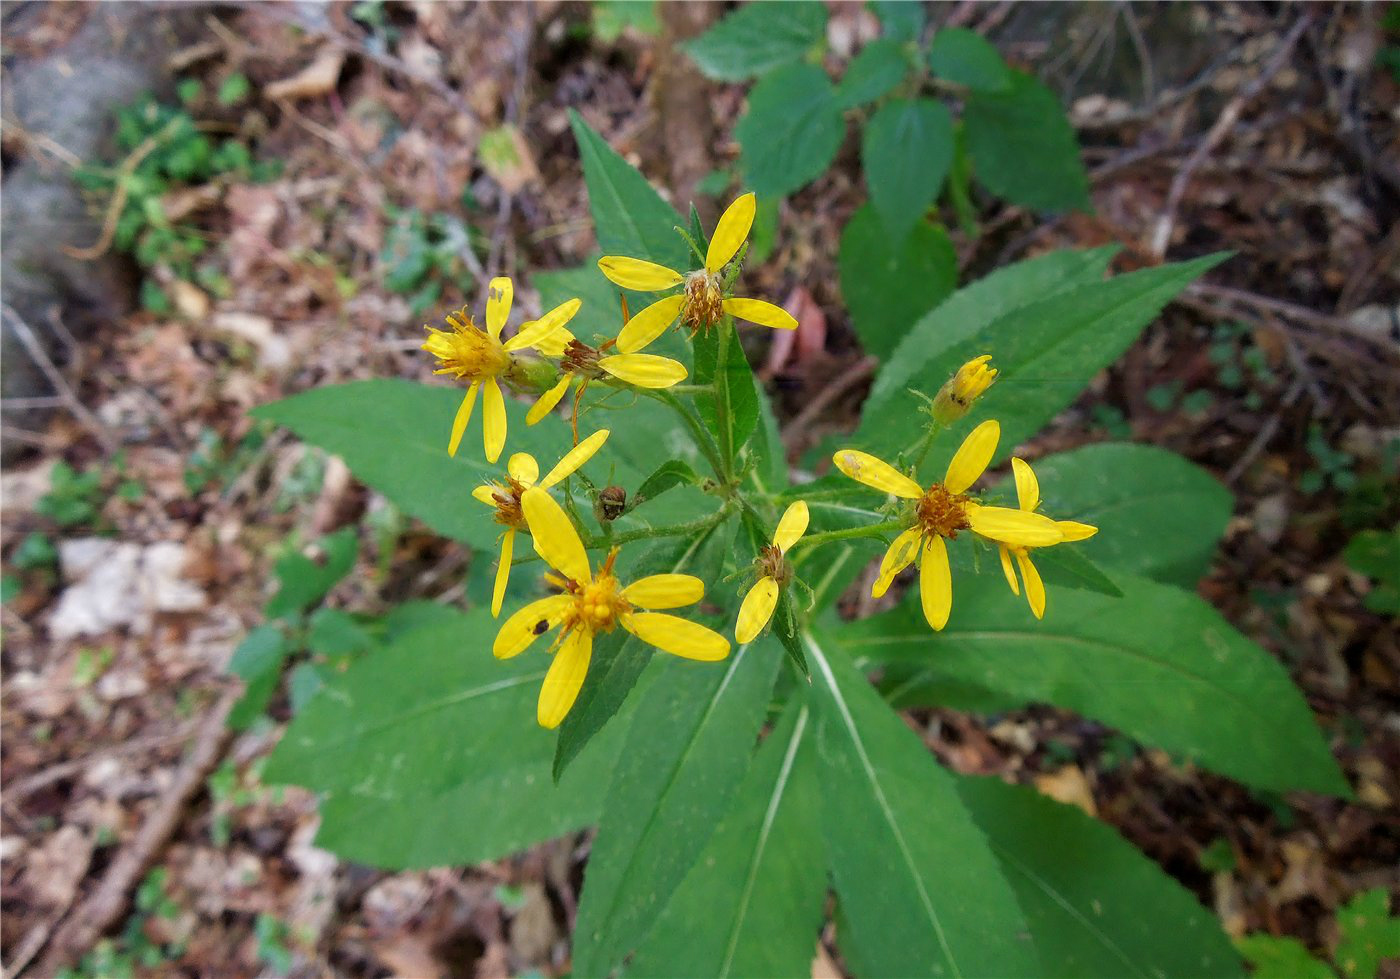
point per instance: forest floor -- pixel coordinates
(1279, 373)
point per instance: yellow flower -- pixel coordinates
(940, 512)
(762, 598)
(956, 397)
(578, 359)
(481, 358)
(522, 472)
(1028, 498)
(591, 604)
(702, 302)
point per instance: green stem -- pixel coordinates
(850, 533)
(722, 409)
(669, 530)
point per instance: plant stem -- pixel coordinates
(850, 533)
(722, 408)
(669, 530)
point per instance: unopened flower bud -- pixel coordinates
(956, 397)
(611, 503)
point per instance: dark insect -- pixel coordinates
(541, 627)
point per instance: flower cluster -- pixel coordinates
(545, 358)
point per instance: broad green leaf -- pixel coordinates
(620, 658)
(965, 314)
(1158, 515)
(752, 904)
(758, 37)
(766, 447)
(687, 749)
(258, 662)
(336, 633)
(426, 753)
(734, 386)
(1023, 147)
(964, 57)
(791, 131)
(393, 436)
(668, 475)
(880, 66)
(1068, 567)
(1281, 958)
(629, 217)
(1159, 664)
(1084, 896)
(900, 20)
(1376, 554)
(905, 151)
(887, 284)
(612, 17)
(1369, 935)
(1046, 352)
(302, 582)
(920, 892)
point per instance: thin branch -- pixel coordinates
(1161, 234)
(55, 378)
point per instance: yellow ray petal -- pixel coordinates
(565, 677)
(1027, 486)
(756, 610)
(548, 400)
(936, 583)
(760, 312)
(523, 628)
(792, 526)
(574, 458)
(902, 551)
(464, 415)
(554, 344)
(677, 636)
(877, 474)
(493, 419)
(498, 593)
(486, 494)
(644, 370)
(498, 299)
(649, 324)
(1035, 588)
(730, 232)
(1015, 527)
(665, 591)
(634, 273)
(523, 468)
(555, 538)
(1008, 570)
(1073, 530)
(534, 333)
(971, 459)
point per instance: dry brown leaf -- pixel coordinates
(1068, 785)
(317, 78)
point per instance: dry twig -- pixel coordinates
(1162, 232)
(105, 905)
(55, 378)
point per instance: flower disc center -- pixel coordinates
(942, 513)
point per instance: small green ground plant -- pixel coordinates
(746, 792)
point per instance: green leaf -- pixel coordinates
(1375, 554)
(612, 17)
(906, 151)
(393, 436)
(426, 753)
(619, 659)
(1369, 935)
(1159, 664)
(258, 661)
(336, 633)
(900, 20)
(880, 66)
(791, 131)
(303, 582)
(629, 217)
(1084, 896)
(964, 57)
(1024, 149)
(235, 89)
(689, 745)
(888, 284)
(771, 471)
(1158, 515)
(1281, 958)
(666, 476)
(758, 37)
(735, 387)
(1046, 351)
(1067, 567)
(919, 890)
(752, 904)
